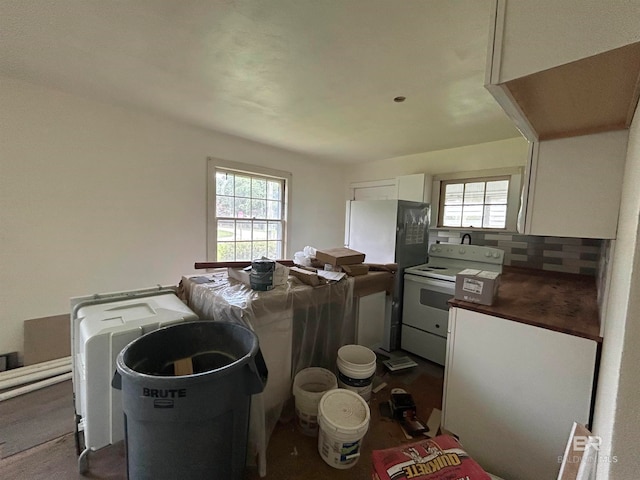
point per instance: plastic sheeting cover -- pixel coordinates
(298, 326)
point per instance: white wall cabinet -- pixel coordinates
(536, 36)
(512, 392)
(567, 75)
(574, 186)
(414, 188)
(562, 69)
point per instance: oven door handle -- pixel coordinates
(441, 286)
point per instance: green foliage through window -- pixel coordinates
(249, 215)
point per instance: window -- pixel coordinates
(478, 200)
(476, 203)
(249, 213)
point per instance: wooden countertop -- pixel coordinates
(557, 301)
(372, 282)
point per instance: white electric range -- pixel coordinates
(428, 288)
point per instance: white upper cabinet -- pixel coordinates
(541, 34)
(415, 188)
(575, 185)
(561, 69)
(568, 75)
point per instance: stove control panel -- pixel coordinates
(471, 253)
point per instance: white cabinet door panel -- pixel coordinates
(575, 186)
(513, 391)
(542, 34)
(371, 311)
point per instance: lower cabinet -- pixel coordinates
(371, 319)
(512, 392)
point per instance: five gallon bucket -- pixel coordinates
(261, 276)
(343, 417)
(309, 385)
(356, 367)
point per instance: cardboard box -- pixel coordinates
(438, 458)
(339, 256)
(305, 276)
(477, 286)
(356, 269)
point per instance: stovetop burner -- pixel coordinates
(446, 260)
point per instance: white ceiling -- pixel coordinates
(312, 76)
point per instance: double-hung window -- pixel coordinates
(478, 203)
(478, 200)
(249, 212)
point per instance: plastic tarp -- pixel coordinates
(298, 326)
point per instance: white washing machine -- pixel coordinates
(101, 326)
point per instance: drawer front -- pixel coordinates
(424, 344)
(418, 312)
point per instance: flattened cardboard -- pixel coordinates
(47, 339)
(305, 276)
(356, 269)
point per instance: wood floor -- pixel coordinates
(37, 443)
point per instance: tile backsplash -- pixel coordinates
(560, 254)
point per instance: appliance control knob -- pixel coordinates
(462, 250)
(488, 254)
(496, 255)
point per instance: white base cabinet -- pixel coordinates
(512, 392)
(371, 318)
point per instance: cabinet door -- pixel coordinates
(415, 188)
(561, 69)
(513, 391)
(371, 319)
(535, 36)
(574, 186)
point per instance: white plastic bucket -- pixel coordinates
(344, 418)
(309, 385)
(356, 367)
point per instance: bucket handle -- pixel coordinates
(116, 381)
(259, 374)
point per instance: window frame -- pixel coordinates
(515, 177)
(215, 164)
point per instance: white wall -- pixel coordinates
(617, 412)
(503, 153)
(97, 198)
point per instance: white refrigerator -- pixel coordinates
(389, 231)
